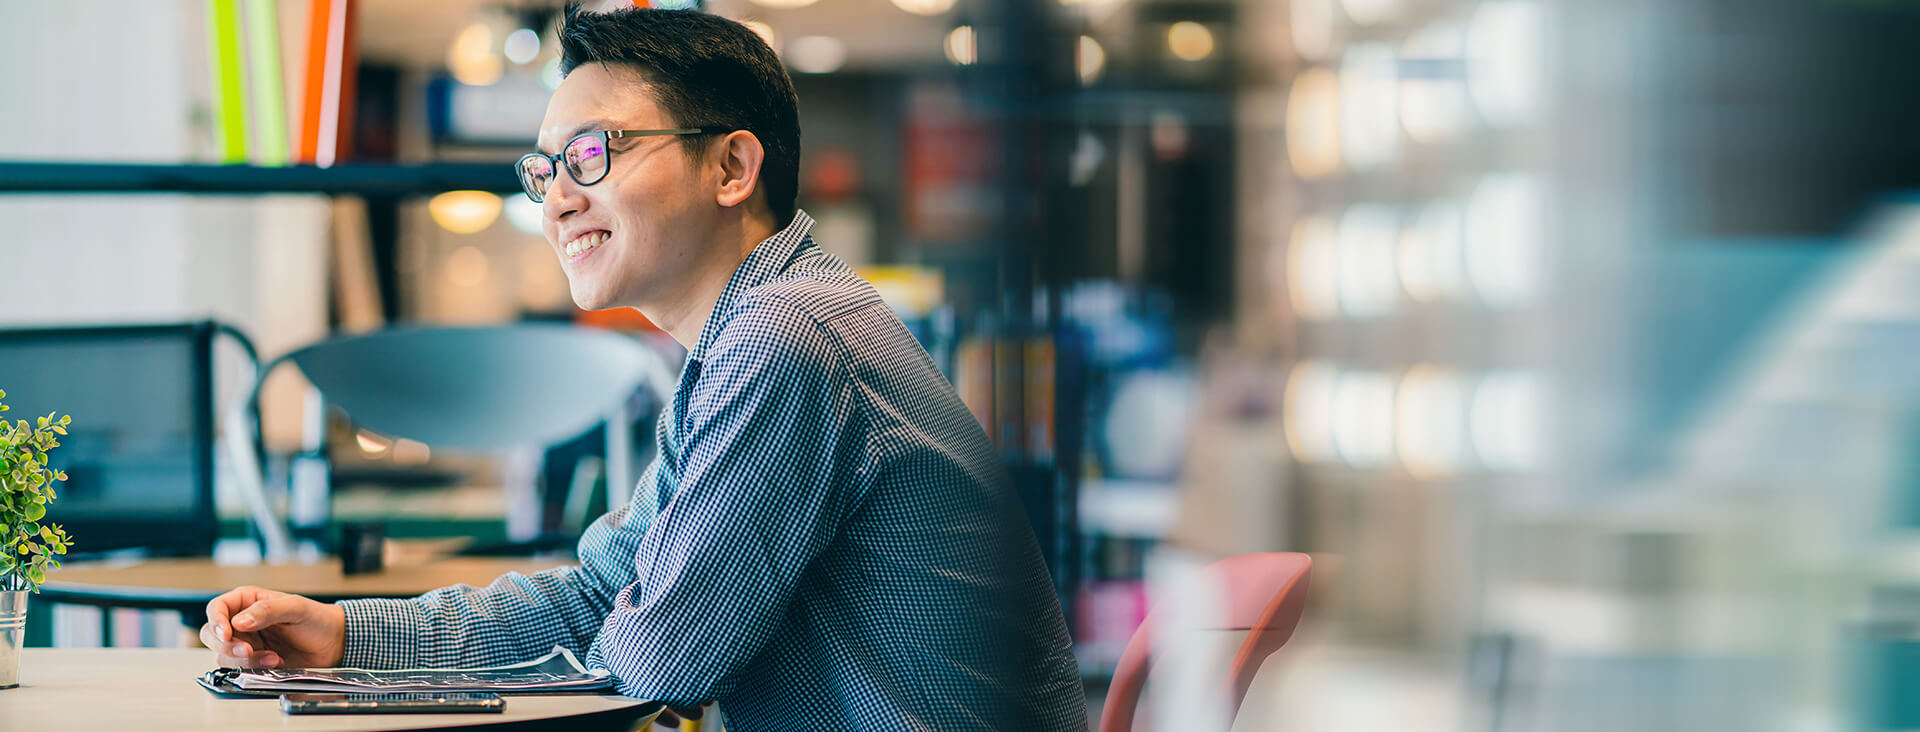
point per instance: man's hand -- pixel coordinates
(254, 628)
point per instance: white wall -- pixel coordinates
(126, 82)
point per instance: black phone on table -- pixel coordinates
(412, 702)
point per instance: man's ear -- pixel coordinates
(740, 156)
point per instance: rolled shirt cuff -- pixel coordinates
(383, 633)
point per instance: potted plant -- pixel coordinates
(27, 548)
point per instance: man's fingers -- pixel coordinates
(220, 609)
(268, 612)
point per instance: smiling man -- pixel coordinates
(827, 540)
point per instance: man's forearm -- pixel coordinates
(515, 618)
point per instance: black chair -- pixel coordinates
(140, 453)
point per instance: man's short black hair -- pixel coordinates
(704, 70)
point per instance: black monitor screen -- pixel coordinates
(138, 455)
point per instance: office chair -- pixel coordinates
(469, 388)
(1265, 594)
(141, 450)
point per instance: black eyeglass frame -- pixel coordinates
(559, 164)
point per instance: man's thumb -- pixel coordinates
(267, 612)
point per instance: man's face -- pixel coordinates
(645, 213)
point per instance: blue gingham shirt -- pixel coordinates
(827, 540)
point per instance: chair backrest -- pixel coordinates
(468, 388)
(139, 454)
(1265, 595)
(478, 388)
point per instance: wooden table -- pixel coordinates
(187, 584)
(153, 690)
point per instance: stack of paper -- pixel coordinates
(556, 671)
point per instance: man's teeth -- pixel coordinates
(585, 243)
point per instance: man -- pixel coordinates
(827, 539)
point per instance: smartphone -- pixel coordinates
(414, 702)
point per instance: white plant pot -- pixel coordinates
(13, 635)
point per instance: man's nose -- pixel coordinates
(564, 196)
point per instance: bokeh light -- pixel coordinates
(1503, 229)
(1308, 411)
(1313, 124)
(1369, 106)
(1430, 422)
(1506, 60)
(1367, 283)
(961, 47)
(1363, 418)
(1505, 421)
(1430, 254)
(1189, 41)
(1312, 268)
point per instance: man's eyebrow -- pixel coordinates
(589, 125)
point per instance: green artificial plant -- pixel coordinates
(27, 549)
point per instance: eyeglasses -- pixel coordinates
(585, 158)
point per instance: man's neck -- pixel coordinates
(685, 316)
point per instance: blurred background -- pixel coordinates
(1577, 342)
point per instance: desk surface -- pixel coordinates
(153, 690)
(187, 584)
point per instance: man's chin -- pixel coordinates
(592, 301)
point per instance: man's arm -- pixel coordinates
(516, 618)
(765, 487)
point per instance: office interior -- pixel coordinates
(1577, 343)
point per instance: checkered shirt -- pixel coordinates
(826, 541)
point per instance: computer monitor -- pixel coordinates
(139, 453)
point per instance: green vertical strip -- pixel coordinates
(269, 87)
(229, 101)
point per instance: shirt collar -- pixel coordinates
(767, 260)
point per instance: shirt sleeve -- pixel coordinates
(517, 617)
(762, 493)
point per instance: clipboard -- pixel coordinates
(558, 672)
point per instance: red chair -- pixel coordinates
(1266, 594)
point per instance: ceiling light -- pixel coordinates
(1369, 106)
(1369, 12)
(472, 58)
(1189, 41)
(1503, 228)
(961, 46)
(764, 31)
(1313, 124)
(1504, 61)
(1089, 60)
(1430, 254)
(816, 54)
(1362, 412)
(464, 212)
(1307, 412)
(924, 7)
(1504, 421)
(1312, 266)
(1430, 421)
(1314, 32)
(523, 45)
(1367, 283)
